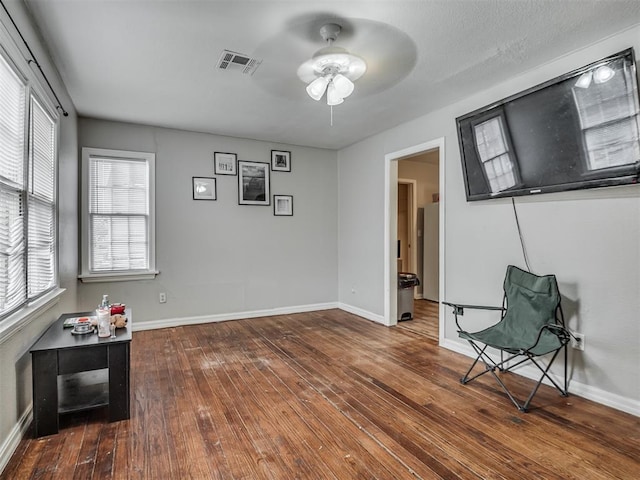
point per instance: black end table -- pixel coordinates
(59, 359)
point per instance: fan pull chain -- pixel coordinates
(331, 107)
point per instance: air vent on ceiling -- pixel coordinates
(237, 61)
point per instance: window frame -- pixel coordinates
(509, 152)
(21, 314)
(626, 69)
(86, 275)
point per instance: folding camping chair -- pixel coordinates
(531, 327)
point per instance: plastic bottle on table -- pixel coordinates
(104, 318)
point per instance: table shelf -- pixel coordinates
(83, 391)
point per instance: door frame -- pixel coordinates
(412, 223)
(391, 228)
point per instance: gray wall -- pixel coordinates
(218, 257)
(15, 360)
(589, 239)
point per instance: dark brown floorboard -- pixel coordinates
(425, 319)
(327, 395)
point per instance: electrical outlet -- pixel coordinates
(577, 342)
(162, 297)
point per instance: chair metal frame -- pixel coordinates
(504, 365)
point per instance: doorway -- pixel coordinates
(393, 181)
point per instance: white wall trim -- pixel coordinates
(362, 313)
(23, 317)
(10, 444)
(442, 243)
(390, 217)
(624, 404)
(223, 317)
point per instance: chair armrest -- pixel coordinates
(559, 331)
(458, 309)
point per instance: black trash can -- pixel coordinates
(406, 283)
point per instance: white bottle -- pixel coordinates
(104, 318)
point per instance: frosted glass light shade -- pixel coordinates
(317, 88)
(333, 96)
(343, 85)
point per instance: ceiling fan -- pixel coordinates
(331, 69)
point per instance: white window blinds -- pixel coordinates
(12, 119)
(41, 201)
(119, 211)
(12, 209)
(27, 193)
(610, 121)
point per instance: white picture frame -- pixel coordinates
(283, 205)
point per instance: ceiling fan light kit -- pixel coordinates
(331, 69)
(316, 88)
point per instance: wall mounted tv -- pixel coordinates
(580, 130)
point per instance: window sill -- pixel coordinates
(23, 317)
(117, 277)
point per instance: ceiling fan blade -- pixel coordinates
(389, 53)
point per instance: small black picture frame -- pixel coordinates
(225, 163)
(280, 161)
(283, 205)
(204, 188)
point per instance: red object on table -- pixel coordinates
(117, 308)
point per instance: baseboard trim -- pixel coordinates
(362, 313)
(619, 402)
(223, 317)
(12, 441)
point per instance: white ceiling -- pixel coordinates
(154, 62)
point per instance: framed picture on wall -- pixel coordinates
(204, 188)
(283, 205)
(224, 163)
(280, 161)
(253, 183)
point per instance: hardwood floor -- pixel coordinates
(326, 395)
(425, 319)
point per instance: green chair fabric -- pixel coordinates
(531, 325)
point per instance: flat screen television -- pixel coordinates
(579, 130)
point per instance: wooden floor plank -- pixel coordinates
(292, 434)
(315, 420)
(327, 395)
(386, 407)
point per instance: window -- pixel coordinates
(28, 156)
(118, 221)
(494, 153)
(606, 99)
